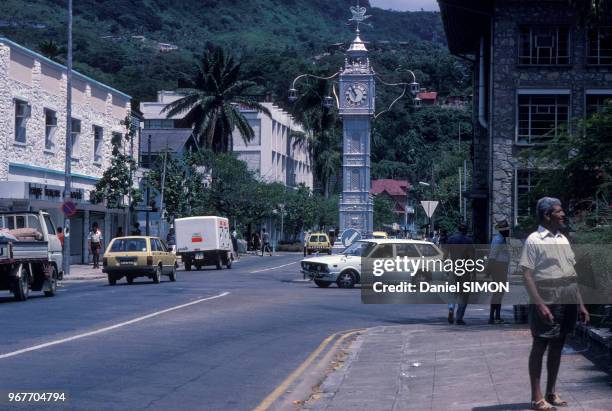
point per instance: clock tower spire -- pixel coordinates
(357, 105)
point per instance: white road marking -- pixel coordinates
(112, 327)
(273, 268)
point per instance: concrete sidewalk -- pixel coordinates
(84, 272)
(438, 366)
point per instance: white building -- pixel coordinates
(32, 140)
(271, 153)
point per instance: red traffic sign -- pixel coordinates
(69, 208)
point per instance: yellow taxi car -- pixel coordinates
(138, 256)
(381, 235)
(318, 243)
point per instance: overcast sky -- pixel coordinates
(403, 5)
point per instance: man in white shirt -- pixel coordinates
(548, 262)
(95, 244)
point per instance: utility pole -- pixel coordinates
(68, 164)
(460, 196)
(161, 198)
(148, 187)
(465, 190)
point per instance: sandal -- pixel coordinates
(542, 405)
(554, 399)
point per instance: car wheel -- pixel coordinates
(172, 275)
(218, 263)
(157, 275)
(112, 280)
(329, 252)
(198, 267)
(52, 284)
(230, 259)
(187, 265)
(21, 288)
(322, 284)
(346, 279)
(129, 279)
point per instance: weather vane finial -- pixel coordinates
(359, 14)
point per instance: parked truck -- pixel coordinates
(30, 254)
(202, 241)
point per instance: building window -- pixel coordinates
(526, 182)
(75, 137)
(599, 46)
(159, 123)
(540, 116)
(544, 45)
(22, 113)
(50, 128)
(98, 133)
(596, 103)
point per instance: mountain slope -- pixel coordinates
(117, 41)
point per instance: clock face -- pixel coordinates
(356, 94)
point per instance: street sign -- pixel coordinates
(349, 236)
(68, 208)
(429, 207)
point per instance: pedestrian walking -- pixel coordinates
(497, 267)
(460, 247)
(305, 242)
(136, 229)
(547, 262)
(234, 236)
(94, 239)
(60, 236)
(255, 242)
(265, 239)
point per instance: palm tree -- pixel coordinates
(322, 140)
(212, 103)
(50, 49)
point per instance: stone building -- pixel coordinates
(33, 140)
(536, 67)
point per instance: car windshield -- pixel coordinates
(129, 244)
(359, 248)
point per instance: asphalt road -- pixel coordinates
(244, 332)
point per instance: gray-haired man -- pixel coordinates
(548, 267)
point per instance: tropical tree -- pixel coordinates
(213, 100)
(323, 138)
(50, 49)
(117, 181)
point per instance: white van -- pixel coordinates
(204, 240)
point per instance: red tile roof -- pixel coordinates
(428, 95)
(391, 187)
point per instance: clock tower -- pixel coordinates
(356, 104)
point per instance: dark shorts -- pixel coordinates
(565, 317)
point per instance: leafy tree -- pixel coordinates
(213, 101)
(383, 212)
(581, 160)
(117, 180)
(300, 210)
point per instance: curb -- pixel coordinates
(84, 278)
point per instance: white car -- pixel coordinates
(344, 269)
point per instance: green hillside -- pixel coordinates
(108, 46)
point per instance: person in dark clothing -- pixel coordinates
(497, 267)
(255, 241)
(265, 240)
(136, 229)
(460, 247)
(119, 232)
